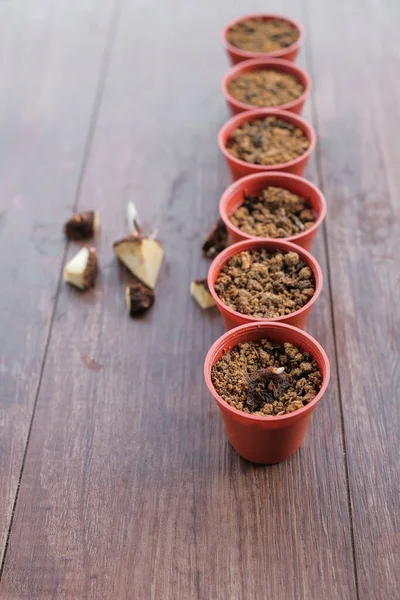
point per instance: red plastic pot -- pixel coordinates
(237, 55)
(282, 66)
(252, 185)
(264, 439)
(240, 168)
(233, 318)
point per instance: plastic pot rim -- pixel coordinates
(221, 259)
(228, 337)
(260, 63)
(233, 188)
(246, 54)
(237, 120)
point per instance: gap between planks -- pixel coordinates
(320, 183)
(104, 65)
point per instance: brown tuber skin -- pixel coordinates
(139, 299)
(91, 270)
(202, 282)
(217, 240)
(81, 226)
(265, 386)
(243, 378)
(133, 237)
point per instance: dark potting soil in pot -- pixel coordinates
(268, 141)
(273, 213)
(262, 35)
(266, 379)
(265, 87)
(265, 284)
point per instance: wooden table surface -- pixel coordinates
(116, 478)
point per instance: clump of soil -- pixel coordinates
(268, 141)
(217, 240)
(262, 35)
(274, 213)
(266, 379)
(265, 87)
(265, 284)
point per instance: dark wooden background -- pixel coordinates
(116, 479)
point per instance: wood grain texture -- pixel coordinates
(130, 489)
(47, 89)
(358, 116)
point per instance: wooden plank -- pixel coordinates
(47, 89)
(358, 116)
(130, 487)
